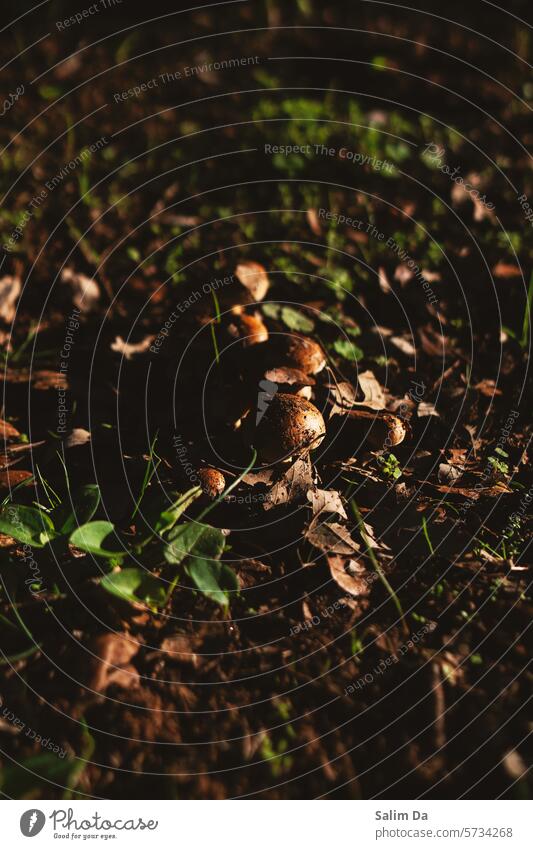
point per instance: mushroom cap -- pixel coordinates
(250, 329)
(388, 430)
(290, 426)
(212, 481)
(302, 353)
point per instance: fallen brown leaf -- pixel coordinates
(253, 277)
(10, 289)
(331, 537)
(350, 575)
(293, 484)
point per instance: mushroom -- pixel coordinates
(212, 481)
(301, 353)
(250, 329)
(291, 426)
(381, 430)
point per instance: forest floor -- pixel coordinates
(352, 623)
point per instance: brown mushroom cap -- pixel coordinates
(302, 353)
(291, 426)
(212, 481)
(251, 329)
(379, 429)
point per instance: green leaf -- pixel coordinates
(214, 579)
(159, 515)
(202, 545)
(23, 780)
(69, 516)
(194, 538)
(26, 524)
(348, 350)
(135, 585)
(98, 538)
(271, 310)
(296, 320)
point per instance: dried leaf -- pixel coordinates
(85, 290)
(7, 431)
(344, 394)
(77, 436)
(331, 537)
(128, 349)
(350, 575)
(292, 485)
(403, 345)
(10, 289)
(314, 221)
(289, 376)
(448, 474)
(45, 379)
(326, 501)
(11, 477)
(372, 390)
(384, 284)
(506, 269)
(253, 277)
(426, 408)
(488, 388)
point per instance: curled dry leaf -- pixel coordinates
(128, 349)
(85, 290)
(346, 396)
(350, 575)
(331, 537)
(10, 289)
(254, 278)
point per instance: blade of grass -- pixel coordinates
(376, 565)
(527, 314)
(426, 535)
(151, 469)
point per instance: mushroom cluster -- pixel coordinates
(267, 387)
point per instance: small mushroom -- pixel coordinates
(291, 426)
(250, 329)
(380, 430)
(212, 481)
(301, 353)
